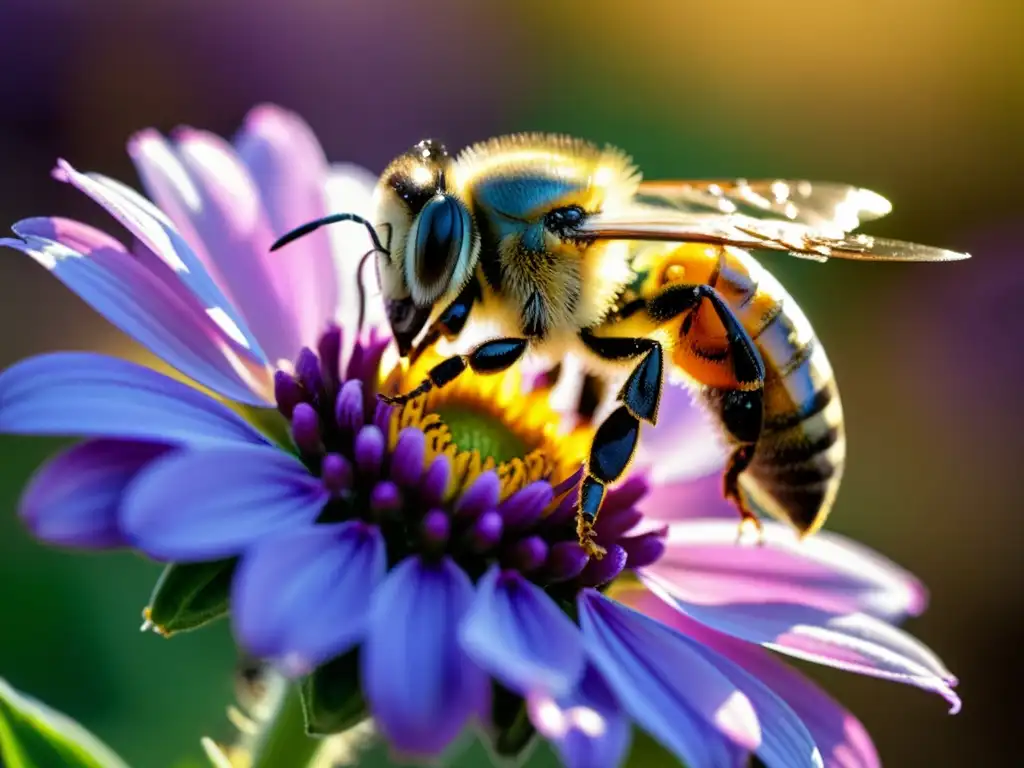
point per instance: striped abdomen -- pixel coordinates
(798, 461)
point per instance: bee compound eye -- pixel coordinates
(440, 234)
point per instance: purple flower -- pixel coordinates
(433, 544)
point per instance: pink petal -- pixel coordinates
(289, 169)
(167, 247)
(350, 189)
(686, 443)
(168, 183)
(689, 498)
(705, 565)
(842, 739)
(855, 642)
(125, 292)
(204, 186)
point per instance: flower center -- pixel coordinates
(474, 430)
(485, 423)
(479, 471)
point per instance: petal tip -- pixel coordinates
(139, 140)
(917, 597)
(955, 704)
(63, 171)
(268, 112)
(186, 134)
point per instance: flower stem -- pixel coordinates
(282, 742)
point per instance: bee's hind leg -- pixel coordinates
(741, 412)
(739, 460)
(741, 409)
(617, 436)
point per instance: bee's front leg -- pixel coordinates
(490, 357)
(449, 323)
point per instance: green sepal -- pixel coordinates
(332, 700)
(189, 595)
(34, 736)
(513, 732)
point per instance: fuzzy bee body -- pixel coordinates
(562, 246)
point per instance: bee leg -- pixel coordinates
(614, 445)
(741, 412)
(616, 438)
(748, 367)
(490, 357)
(451, 321)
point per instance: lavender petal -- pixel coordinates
(369, 450)
(80, 393)
(348, 408)
(587, 727)
(290, 171)
(855, 642)
(421, 687)
(667, 685)
(303, 597)
(598, 572)
(207, 504)
(161, 239)
(524, 507)
(481, 495)
(843, 741)
(518, 634)
(828, 571)
(227, 220)
(408, 457)
(73, 500)
(119, 287)
(566, 560)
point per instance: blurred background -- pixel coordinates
(919, 99)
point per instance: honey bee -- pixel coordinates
(566, 249)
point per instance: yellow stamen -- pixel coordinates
(484, 423)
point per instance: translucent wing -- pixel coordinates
(815, 243)
(814, 203)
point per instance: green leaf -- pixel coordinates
(332, 701)
(34, 736)
(189, 595)
(645, 751)
(513, 732)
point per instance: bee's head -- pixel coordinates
(424, 236)
(430, 235)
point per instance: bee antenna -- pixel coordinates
(362, 289)
(312, 226)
